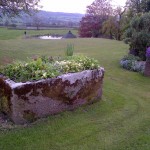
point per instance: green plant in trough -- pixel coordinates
(69, 50)
(44, 67)
(29, 71)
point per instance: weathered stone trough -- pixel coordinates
(26, 102)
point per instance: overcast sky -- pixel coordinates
(72, 6)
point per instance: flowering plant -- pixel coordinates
(148, 52)
(43, 68)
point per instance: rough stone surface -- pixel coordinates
(147, 68)
(26, 102)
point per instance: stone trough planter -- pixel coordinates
(26, 102)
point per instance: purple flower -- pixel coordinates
(148, 52)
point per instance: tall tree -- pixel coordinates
(113, 27)
(109, 28)
(119, 12)
(100, 8)
(134, 5)
(91, 24)
(138, 6)
(36, 21)
(145, 5)
(13, 7)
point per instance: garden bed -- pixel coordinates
(27, 101)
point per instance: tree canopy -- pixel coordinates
(102, 20)
(138, 6)
(91, 24)
(100, 8)
(13, 7)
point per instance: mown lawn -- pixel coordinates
(6, 34)
(120, 121)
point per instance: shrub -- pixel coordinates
(138, 34)
(131, 62)
(45, 67)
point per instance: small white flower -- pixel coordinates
(45, 74)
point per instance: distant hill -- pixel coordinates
(44, 18)
(74, 17)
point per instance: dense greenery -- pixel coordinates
(120, 121)
(138, 6)
(138, 34)
(102, 19)
(45, 67)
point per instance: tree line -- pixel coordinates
(130, 23)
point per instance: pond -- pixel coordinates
(48, 37)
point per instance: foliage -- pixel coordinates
(44, 67)
(76, 64)
(37, 20)
(97, 13)
(138, 34)
(133, 63)
(90, 26)
(100, 8)
(131, 57)
(148, 52)
(101, 20)
(139, 6)
(10, 7)
(69, 50)
(120, 24)
(28, 71)
(110, 28)
(145, 5)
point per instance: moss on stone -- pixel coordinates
(29, 116)
(4, 104)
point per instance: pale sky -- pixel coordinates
(72, 6)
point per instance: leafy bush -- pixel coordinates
(138, 34)
(45, 67)
(133, 63)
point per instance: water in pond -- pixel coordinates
(49, 37)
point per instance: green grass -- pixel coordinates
(6, 34)
(120, 121)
